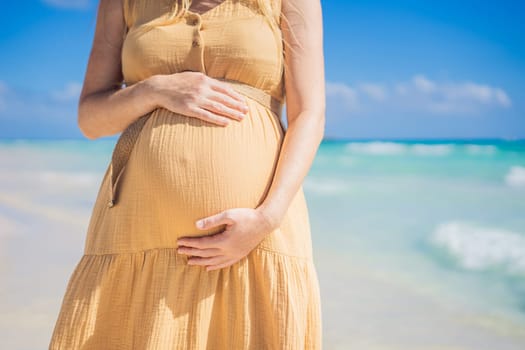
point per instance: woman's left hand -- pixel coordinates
(245, 229)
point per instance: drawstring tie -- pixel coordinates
(129, 136)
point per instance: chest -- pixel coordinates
(222, 41)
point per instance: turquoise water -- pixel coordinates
(449, 214)
(445, 219)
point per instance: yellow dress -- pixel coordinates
(131, 289)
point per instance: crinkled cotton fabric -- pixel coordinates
(131, 289)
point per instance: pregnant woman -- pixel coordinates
(200, 236)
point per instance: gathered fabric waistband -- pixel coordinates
(127, 139)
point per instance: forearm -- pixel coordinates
(298, 150)
(110, 112)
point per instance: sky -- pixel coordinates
(394, 69)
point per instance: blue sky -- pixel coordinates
(394, 69)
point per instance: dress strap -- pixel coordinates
(127, 139)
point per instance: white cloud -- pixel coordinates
(421, 83)
(374, 91)
(502, 97)
(70, 92)
(401, 89)
(419, 94)
(344, 93)
(481, 93)
(451, 97)
(68, 4)
(26, 112)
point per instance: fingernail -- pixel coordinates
(199, 224)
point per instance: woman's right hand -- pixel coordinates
(197, 95)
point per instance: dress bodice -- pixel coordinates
(231, 40)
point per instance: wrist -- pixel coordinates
(150, 88)
(273, 219)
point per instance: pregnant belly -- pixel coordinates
(196, 168)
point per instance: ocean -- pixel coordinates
(419, 244)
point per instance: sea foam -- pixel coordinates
(516, 176)
(419, 149)
(432, 150)
(480, 149)
(377, 148)
(480, 248)
(326, 186)
(395, 148)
